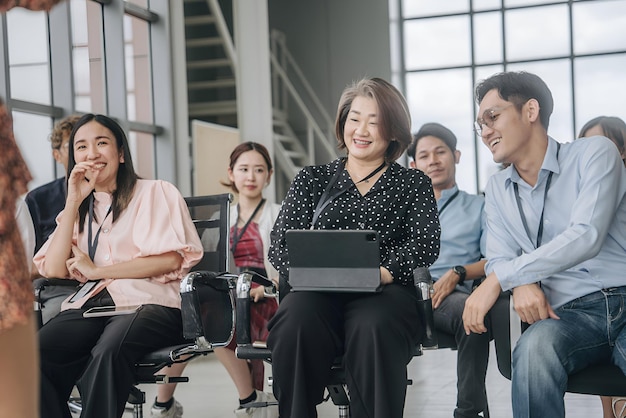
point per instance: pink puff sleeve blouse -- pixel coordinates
(156, 221)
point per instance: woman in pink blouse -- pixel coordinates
(129, 241)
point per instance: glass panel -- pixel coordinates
(446, 97)
(88, 56)
(437, 42)
(557, 76)
(488, 37)
(551, 40)
(479, 5)
(416, 8)
(138, 74)
(29, 67)
(600, 26)
(486, 166)
(515, 3)
(142, 151)
(485, 72)
(31, 133)
(600, 86)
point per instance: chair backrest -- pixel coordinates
(601, 379)
(211, 216)
(207, 303)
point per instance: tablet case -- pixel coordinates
(333, 260)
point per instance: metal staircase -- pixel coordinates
(211, 62)
(303, 131)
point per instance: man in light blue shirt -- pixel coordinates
(460, 262)
(556, 235)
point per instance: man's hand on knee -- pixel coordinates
(531, 304)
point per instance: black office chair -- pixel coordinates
(602, 379)
(336, 386)
(207, 303)
(203, 300)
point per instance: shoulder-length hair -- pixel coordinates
(245, 147)
(394, 120)
(613, 128)
(126, 176)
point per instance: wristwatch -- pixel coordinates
(460, 270)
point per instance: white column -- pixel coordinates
(254, 94)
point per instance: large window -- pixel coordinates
(577, 47)
(91, 56)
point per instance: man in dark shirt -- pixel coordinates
(45, 202)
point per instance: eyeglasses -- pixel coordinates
(488, 119)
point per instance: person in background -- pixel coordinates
(460, 262)
(610, 127)
(249, 172)
(129, 242)
(47, 201)
(613, 128)
(376, 333)
(555, 237)
(18, 353)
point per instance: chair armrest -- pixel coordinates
(207, 308)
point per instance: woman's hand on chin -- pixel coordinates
(82, 181)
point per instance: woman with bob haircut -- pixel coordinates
(375, 332)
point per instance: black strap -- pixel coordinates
(327, 197)
(243, 229)
(92, 245)
(545, 195)
(445, 205)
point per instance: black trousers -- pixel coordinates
(472, 356)
(98, 355)
(376, 333)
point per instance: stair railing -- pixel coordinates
(284, 93)
(222, 29)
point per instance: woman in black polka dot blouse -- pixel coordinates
(377, 332)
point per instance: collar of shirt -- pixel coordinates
(550, 164)
(446, 194)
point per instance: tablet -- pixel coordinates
(330, 260)
(110, 311)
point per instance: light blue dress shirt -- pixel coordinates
(584, 232)
(463, 232)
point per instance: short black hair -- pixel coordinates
(433, 129)
(518, 88)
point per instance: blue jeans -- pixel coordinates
(590, 331)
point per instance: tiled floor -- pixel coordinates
(211, 394)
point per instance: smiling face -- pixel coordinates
(437, 160)
(510, 129)
(250, 174)
(96, 144)
(361, 133)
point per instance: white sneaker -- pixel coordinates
(175, 411)
(260, 412)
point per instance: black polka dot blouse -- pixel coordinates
(401, 206)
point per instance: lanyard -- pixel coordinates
(327, 197)
(545, 195)
(237, 237)
(445, 205)
(92, 245)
